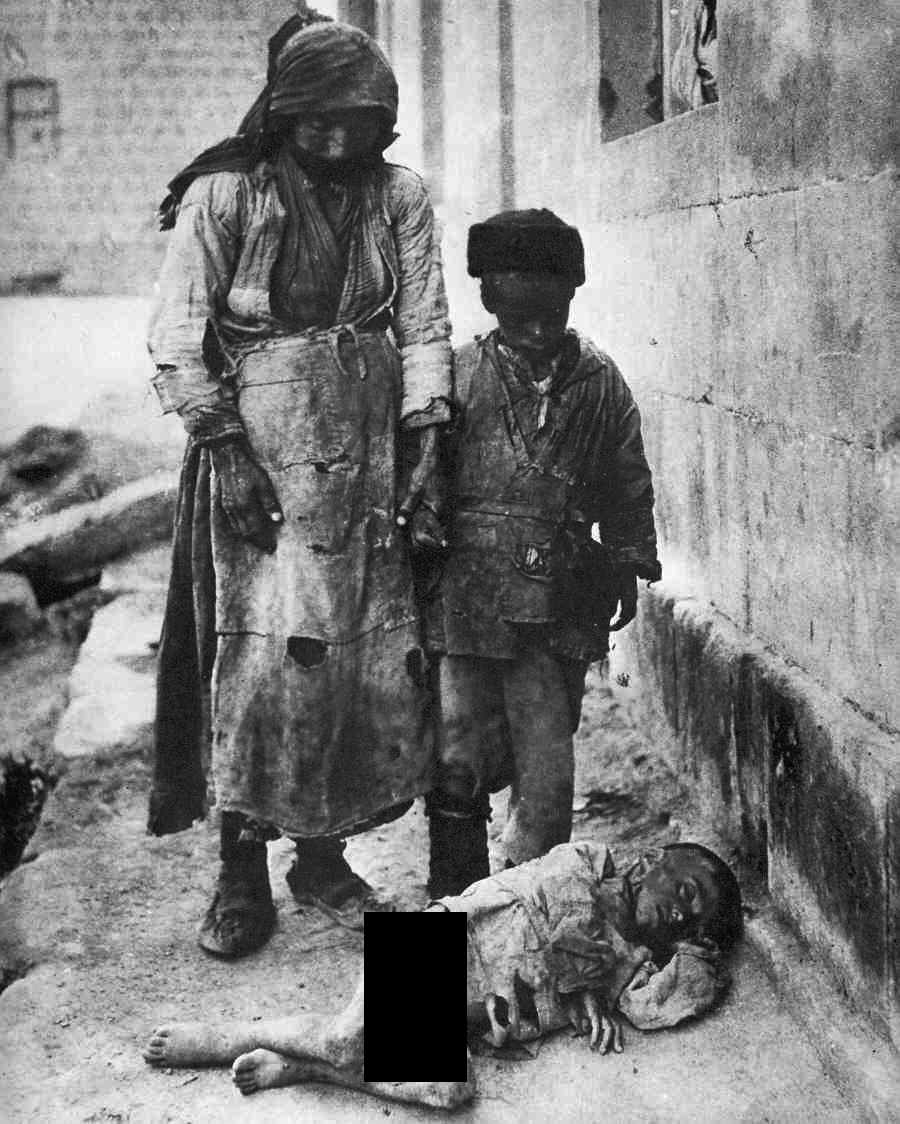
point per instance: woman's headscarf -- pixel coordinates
(314, 67)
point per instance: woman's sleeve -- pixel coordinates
(421, 324)
(193, 285)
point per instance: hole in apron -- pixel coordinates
(307, 651)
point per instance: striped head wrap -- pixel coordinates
(314, 67)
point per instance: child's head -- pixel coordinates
(689, 893)
(530, 263)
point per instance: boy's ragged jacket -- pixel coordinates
(534, 465)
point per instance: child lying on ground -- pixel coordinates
(557, 941)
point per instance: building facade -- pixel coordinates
(732, 169)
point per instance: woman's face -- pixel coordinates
(339, 134)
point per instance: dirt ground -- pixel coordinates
(97, 936)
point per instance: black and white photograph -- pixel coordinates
(449, 466)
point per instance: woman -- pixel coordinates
(296, 248)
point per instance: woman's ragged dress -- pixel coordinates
(319, 721)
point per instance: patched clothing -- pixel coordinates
(217, 278)
(536, 466)
(319, 721)
(527, 592)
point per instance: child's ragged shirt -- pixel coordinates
(536, 463)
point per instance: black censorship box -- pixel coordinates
(415, 997)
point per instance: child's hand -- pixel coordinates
(626, 595)
(426, 532)
(586, 1015)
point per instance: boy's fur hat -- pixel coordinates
(533, 241)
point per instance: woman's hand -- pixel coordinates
(420, 508)
(246, 494)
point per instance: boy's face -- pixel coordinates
(676, 895)
(532, 311)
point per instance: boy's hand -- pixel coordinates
(587, 1016)
(626, 593)
(246, 494)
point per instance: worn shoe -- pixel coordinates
(321, 874)
(458, 852)
(242, 915)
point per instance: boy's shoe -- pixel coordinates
(458, 852)
(320, 875)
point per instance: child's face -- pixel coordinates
(532, 311)
(677, 894)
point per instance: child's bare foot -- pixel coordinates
(434, 1094)
(194, 1044)
(264, 1069)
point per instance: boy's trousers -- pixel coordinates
(511, 721)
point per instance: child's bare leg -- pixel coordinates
(180, 1044)
(198, 1043)
(333, 1055)
(266, 1069)
(337, 1043)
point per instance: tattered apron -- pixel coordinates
(319, 723)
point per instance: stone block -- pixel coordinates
(671, 166)
(81, 538)
(807, 787)
(113, 684)
(19, 612)
(98, 723)
(805, 94)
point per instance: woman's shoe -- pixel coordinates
(242, 915)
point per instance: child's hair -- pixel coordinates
(491, 295)
(530, 241)
(726, 924)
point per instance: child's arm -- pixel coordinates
(626, 515)
(688, 986)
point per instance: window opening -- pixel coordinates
(658, 59)
(32, 118)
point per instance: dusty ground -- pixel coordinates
(99, 926)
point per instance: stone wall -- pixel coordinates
(143, 86)
(741, 272)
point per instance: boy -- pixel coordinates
(547, 445)
(561, 940)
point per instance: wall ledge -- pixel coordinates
(801, 785)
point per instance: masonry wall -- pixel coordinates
(744, 275)
(742, 272)
(144, 85)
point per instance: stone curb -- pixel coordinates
(864, 1067)
(82, 537)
